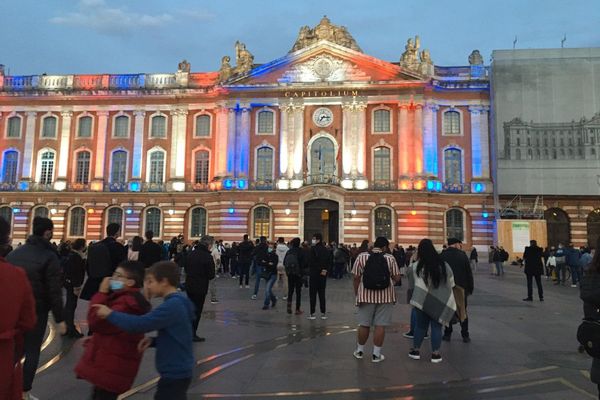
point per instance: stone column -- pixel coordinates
(243, 142)
(221, 140)
(64, 152)
(348, 142)
(28, 156)
(476, 150)
(231, 141)
(178, 144)
(430, 151)
(418, 140)
(360, 134)
(138, 145)
(403, 142)
(485, 142)
(101, 136)
(297, 156)
(286, 140)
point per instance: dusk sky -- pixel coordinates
(134, 36)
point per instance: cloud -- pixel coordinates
(195, 14)
(97, 15)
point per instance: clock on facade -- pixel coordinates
(323, 117)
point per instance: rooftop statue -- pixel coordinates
(183, 66)
(475, 58)
(426, 66)
(243, 59)
(325, 30)
(225, 71)
(410, 58)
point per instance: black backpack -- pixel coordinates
(99, 261)
(292, 264)
(376, 274)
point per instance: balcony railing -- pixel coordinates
(79, 187)
(42, 187)
(116, 187)
(198, 187)
(154, 187)
(262, 185)
(8, 187)
(456, 188)
(383, 185)
(322, 179)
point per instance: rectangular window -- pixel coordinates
(9, 171)
(264, 164)
(202, 166)
(157, 162)
(83, 167)
(451, 123)
(203, 126)
(381, 164)
(47, 168)
(159, 126)
(49, 127)
(85, 127)
(14, 127)
(265, 122)
(118, 173)
(381, 121)
(198, 228)
(121, 126)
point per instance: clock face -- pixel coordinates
(323, 117)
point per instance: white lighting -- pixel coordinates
(171, 212)
(353, 212)
(361, 184)
(296, 183)
(346, 183)
(53, 211)
(283, 184)
(179, 186)
(60, 185)
(287, 211)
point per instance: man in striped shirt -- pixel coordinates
(374, 305)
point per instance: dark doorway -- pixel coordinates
(321, 216)
(558, 227)
(593, 228)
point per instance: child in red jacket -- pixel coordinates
(111, 359)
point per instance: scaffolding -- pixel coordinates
(523, 207)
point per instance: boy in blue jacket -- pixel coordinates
(173, 321)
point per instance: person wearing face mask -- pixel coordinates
(269, 274)
(111, 359)
(320, 264)
(40, 261)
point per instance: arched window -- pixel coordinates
(82, 173)
(84, 130)
(262, 221)
(451, 123)
(529, 154)
(118, 168)
(115, 216)
(381, 163)
(202, 167)
(46, 168)
(453, 166)
(381, 121)
(153, 221)
(6, 213)
(41, 211)
(14, 127)
(159, 126)
(383, 222)
(264, 164)
(121, 126)
(518, 154)
(455, 227)
(203, 125)
(77, 222)
(10, 166)
(593, 152)
(322, 157)
(558, 227)
(157, 166)
(265, 122)
(49, 127)
(593, 228)
(198, 222)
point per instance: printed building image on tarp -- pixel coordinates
(546, 107)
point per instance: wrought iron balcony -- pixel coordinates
(154, 187)
(321, 179)
(8, 187)
(262, 185)
(116, 187)
(198, 187)
(456, 188)
(41, 187)
(383, 185)
(79, 187)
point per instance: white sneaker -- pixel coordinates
(241, 286)
(247, 287)
(377, 359)
(323, 316)
(253, 297)
(358, 354)
(29, 396)
(285, 297)
(573, 285)
(311, 316)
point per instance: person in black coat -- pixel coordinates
(244, 254)
(199, 270)
(40, 261)
(590, 294)
(533, 257)
(320, 265)
(463, 277)
(73, 276)
(261, 260)
(151, 252)
(295, 274)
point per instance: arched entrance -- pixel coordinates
(321, 216)
(322, 160)
(558, 227)
(593, 227)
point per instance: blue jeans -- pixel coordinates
(576, 273)
(258, 272)
(413, 320)
(422, 322)
(269, 296)
(499, 268)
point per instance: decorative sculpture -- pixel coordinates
(325, 30)
(475, 58)
(225, 71)
(183, 66)
(243, 58)
(410, 57)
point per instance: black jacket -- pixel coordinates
(590, 294)
(261, 254)
(199, 270)
(73, 270)
(301, 255)
(461, 268)
(320, 258)
(40, 261)
(534, 262)
(150, 253)
(271, 264)
(245, 250)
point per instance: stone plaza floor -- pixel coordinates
(518, 351)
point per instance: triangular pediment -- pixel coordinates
(323, 62)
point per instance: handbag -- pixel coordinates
(588, 335)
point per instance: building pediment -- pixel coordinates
(323, 62)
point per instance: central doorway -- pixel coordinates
(321, 216)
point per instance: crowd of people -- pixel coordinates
(119, 280)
